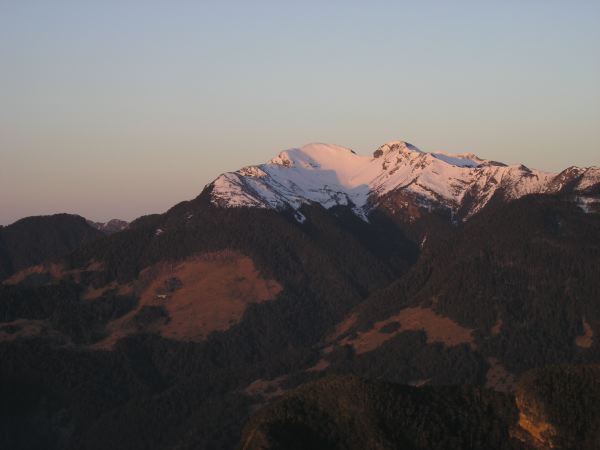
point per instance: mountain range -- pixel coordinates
(315, 301)
(398, 176)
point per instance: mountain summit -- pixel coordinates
(398, 176)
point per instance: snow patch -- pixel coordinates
(300, 218)
(589, 178)
(456, 160)
(588, 205)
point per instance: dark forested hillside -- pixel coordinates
(148, 391)
(516, 288)
(33, 240)
(172, 332)
(349, 413)
(554, 407)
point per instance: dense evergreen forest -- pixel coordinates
(344, 412)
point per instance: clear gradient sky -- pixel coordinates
(123, 108)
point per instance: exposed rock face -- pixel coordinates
(533, 426)
(559, 408)
(110, 227)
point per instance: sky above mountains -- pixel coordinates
(118, 109)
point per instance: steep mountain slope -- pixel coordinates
(33, 240)
(512, 289)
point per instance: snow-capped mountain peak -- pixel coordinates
(321, 173)
(398, 175)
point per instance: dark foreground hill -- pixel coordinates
(349, 413)
(553, 408)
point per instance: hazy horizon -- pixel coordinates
(113, 110)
